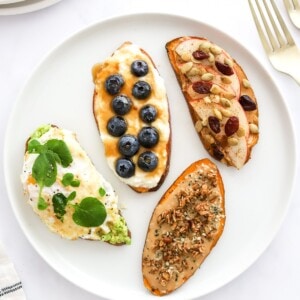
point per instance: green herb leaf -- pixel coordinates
(59, 201)
(61, 149)
(42, 204)
(67, 179)
(71, 196)
(90, 212)
(102, 192)
(34, 146)
(75, 183)
(56, 157)
(44, 169)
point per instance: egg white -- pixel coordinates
(90, 181)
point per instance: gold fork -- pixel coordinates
(293, 8)
(280, 48)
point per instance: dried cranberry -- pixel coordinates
(202, 87)
(199, 55)
(224, 68)
(247, 103)
(214, 124)
(231, 126)
(217, 153)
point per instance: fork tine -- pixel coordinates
(288, 5)
(282, 24)
(277, 33)
(267, 28)
(296, 4)
(261, 34)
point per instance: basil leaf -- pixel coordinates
(90, 212)
(102, 192)
(34, 146)
(59, 201)
(44, 169)
(61, 149)
(42, 204)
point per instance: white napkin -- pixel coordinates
(10, 283)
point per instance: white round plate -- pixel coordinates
(25, 6)
(60, 92)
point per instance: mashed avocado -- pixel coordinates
(118, 233)
(40, 131)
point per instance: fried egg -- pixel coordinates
(66, 191)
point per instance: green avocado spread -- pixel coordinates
(40, 131)
(118, 233)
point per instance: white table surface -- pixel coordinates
(27, 38)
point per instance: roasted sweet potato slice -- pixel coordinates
(186, 224)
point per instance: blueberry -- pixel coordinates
(139, 68)
(114, 83)
(121, 104)
(147, 161)
(128, 145)
(148, 113)
(116, 126)
(125, 167)
(141, 90)
(148, 137)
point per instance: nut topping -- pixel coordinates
(207, 77)
(186, 67)
(253, 128)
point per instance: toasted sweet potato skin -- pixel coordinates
(216, 94)
(185, 225)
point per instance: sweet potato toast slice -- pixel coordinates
(132, 114)
(65, 190)
(219, 96)
(186, 224)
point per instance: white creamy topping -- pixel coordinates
(123, 57)
(90, 182)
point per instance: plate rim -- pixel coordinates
(18, 8)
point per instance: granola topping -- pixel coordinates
(184, 231)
